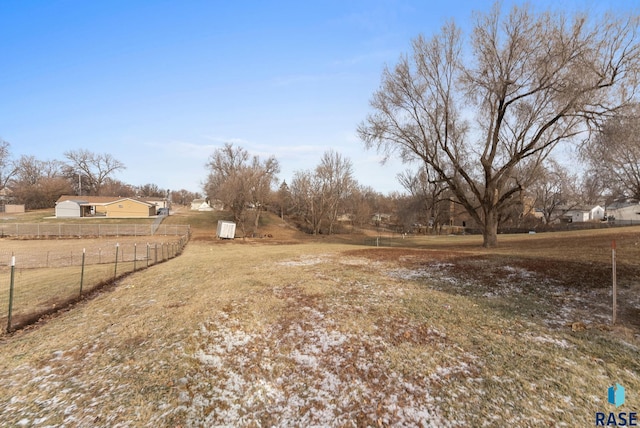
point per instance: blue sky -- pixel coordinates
(161, 84)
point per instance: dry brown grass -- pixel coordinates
(48, 273)
(248, 334)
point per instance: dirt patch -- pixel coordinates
(557, 293)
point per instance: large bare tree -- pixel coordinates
(92, 169)
(483, 114)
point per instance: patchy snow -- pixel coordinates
(306, 260)
(558, 305)
(550, 340)
(304, 371)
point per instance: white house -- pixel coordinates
(624, 211)
(583, 214)
(200, 205)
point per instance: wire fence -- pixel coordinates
(36, 283)
(63, 230)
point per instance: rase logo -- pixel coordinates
(615, 396)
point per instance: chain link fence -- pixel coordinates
(36, 283)
(63, 230)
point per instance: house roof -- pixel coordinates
(621, 204)
(96, 200)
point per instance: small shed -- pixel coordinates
(226, 229)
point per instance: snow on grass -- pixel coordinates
(302, 370)
(306, 260)
(561, 343)
(526, 290)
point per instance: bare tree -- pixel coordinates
(430, 193)
(362, 204)
(7, 167)
(151, 190)
(555, 191)
(38, 184)
(613, 156)
(91, 169)
(183, 196)
(319, 196)
(240, 181)
(532, 82)
(307, 199)
(113, 187)
(335, 174)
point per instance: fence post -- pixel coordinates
(13, 266)
(615, 285)
(135, 255)
(155, 254)
(82, 271)
(148, 254)
(115, 269)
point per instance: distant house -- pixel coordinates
(584, 214)
(380, 217)
(207, 205)
(102, 206)
(624, 211)
(157, 202)
(200, 205)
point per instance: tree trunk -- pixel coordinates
(490, 229)
(257, 222)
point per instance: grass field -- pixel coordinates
(292, 331)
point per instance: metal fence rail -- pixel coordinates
(62, 230)
(34, 283)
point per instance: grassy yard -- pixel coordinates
(295, 332)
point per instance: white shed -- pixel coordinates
(226, 229)
(68, 208)
(596, 213)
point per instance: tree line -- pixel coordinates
(482, 114)
(39, 183)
